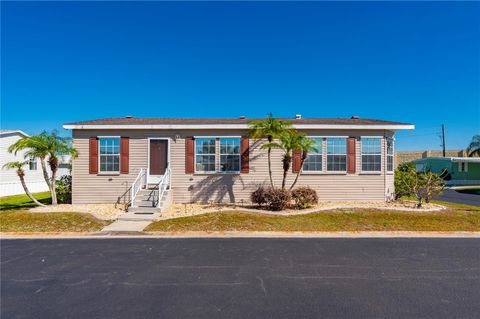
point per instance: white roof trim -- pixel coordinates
(466, 159)
(234, 126)
(453, 159)
(14, 131)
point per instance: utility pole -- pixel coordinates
(443, 139)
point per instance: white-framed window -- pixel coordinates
(420, 167)
(390, 154)
(229, 154)
(313, 162)
(336, 154)
(371, 154)
(109, 154)
(32, 164)
(217, 155)
(205, 153)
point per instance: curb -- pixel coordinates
(233, 234)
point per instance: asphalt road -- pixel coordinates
(240, 278)
(452, 196)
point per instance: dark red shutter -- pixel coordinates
(124, 155)
(189, 155)
(245, 154)
(351, 155)
(296, 160)
(93, 156)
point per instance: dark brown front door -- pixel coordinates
(158, 156)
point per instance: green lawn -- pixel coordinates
(15, 218)
(22, 201)
(25, 221)
(336, 220)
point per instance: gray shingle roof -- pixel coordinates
(217, 121)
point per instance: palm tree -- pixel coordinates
(305, 146)
(270, 128)
(35, 147)
(21, 174)
(289, 141)
(474, 147)
(46, 145)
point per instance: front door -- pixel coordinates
(158, 161)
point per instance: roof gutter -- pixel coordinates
(231, 126)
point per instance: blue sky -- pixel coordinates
(416, 62)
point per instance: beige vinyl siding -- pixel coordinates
(94, 188)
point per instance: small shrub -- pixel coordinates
(258, 196)
(64, 189)
(304, 197)
(426, 186)
(404, 178)
(277, 198)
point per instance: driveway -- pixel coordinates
(452, 196)
(240, 278)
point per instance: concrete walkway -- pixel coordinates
(127, 226)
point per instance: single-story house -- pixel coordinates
(213, 160)
(9, 181)
(456, 170)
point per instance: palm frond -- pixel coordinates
(14, 165)
(474, 146)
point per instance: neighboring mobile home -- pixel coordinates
(9, 181)
(213, 160)
(457, 170)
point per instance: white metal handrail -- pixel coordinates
(138, 184)
(163, 184)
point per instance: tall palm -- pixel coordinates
(288, 141)
(305, 146)
(18, 166)
(48, 146)
(474, 147)
(271, 129)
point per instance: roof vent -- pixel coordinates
(298, 116)
(242, 117)
(128, 117)
(355, 117)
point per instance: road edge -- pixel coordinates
(237, 234)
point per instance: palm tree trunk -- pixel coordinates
(270, 167)
(53, 190)
(286, 167)
(45, 173)
(25, 188)
(298, 174)
(53, 161)
(284, 180)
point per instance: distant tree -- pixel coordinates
(474, 146)
(18, 166)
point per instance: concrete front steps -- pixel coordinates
(144, 207)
